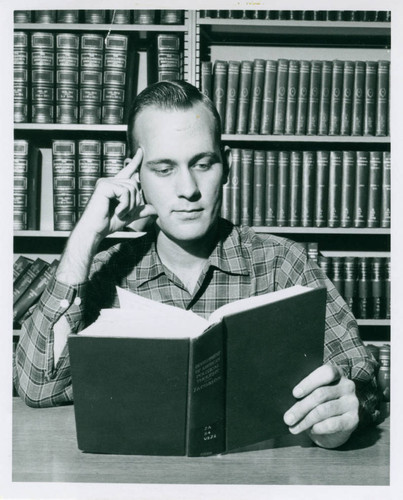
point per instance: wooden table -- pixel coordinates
(45, 449)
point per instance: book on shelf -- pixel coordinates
(235, 186)
(334, 189)
(255, 109)
(42, 77)
(271, 188)
(67, 77)
(303, 94)
(370, 97)
(280, 102)
(347, 98)
(259, 186)
(295, 187)
(292, 94)
(247, 167)
(64, 170)
(216, 385)
(91, 74)
(165, 59)
(21, 77)
(336, 96)
(347, 189)
(245, 83)
(283, 188)
(231, 94)
(361, 189)
(357, 118)
(20, 266)
(385, 214)
(299, 15)
(269, 95)
(324, 98)
(382, 100)
(307, 188)
(206, 78)
(25, 279)
(313, 98)
(220, 88)
(89, 168)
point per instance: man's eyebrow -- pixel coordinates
(211, 155)
(164, 161)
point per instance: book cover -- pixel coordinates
(20, 266)
(21, 77)
(212, 389)
(294, 212)
(91, 73)
(269, 92)
(324, 99)
(88, 171)
(232, 97)
(246, 187)
(245, 83)
(347, 188)
(255, 109)
(23, 283)
(42, 77)
(64, 184)
(303, 93)
(292, 95)
(259, 186)
(67, 77)
(280, 102)
(271, 188)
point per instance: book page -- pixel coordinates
(252, 302)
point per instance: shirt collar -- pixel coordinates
(227, 255)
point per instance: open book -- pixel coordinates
(153, 379)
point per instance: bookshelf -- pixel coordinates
(240, 39)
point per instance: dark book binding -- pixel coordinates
(324, 100)
(64, 184)
(292, 95)
(321, 188)
(374, 189)
(235, 180)
(246, 186)
(385, 214)
(336, 98)
(361, 189)
(20, 266)
(269, 92)
(371, 70)
(283, 188)
(280, 102)
(358, 99)
(308, 188)
(382, 101)
(334, 190)
(271, 188)
(347, 99)
(303, 93)
(206, 78)
(259, 186)
(67, 77)
(232, 97)
(24, 281)
(313, 100)
(255, 109)
(294, 212)
(347, 188)
(245, 82)
(220, 88)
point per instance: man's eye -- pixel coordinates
(202, 166)
(163, 170)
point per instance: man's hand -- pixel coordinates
(327, 408)
(116, 202)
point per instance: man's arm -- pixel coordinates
(41, 373)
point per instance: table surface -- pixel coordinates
(45, 449)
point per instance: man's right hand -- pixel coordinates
(116, 202)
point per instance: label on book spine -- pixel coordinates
(358, 99)
(303, 93)
(313, 100)
(283, 188)
(269, 90)
(220, 88)
(347, 188)
(371, 69)
(245, 83)
(281, 97)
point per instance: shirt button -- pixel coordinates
(77, 301)
(64, 303)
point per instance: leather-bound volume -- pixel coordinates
(67, 77)
(382, 101)
(308, 188)
(271, 188)
(336, 98)
(386, 190)
(324, 100)
(303, 94)
(246, 186)
(347, 188)
(347, 98)
(220, 88)
(259, 186)
(245, 83)
(294, 212)
(371, 70)
(64, 184)
(20, 266)
(269, 93)
(91, 73)
(235, 180)
(255, 109)
(374, 189)
(232, 97)
(292, 96)
(334, 190)
(206, 78)
(321, 188)
(361, 189)
(21, 77)
(283, 188)
(280, 102)
(358, 99)
(89, 167)
(313, 100)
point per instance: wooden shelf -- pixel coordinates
(355, 253)
(373, 322)
(305, 138)
(76, 127)
(100, 27)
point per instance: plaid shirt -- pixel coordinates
(242, 264)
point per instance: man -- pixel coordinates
(189, 258)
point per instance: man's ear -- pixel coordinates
(226, 154)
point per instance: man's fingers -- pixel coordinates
(132, 167)
(341, 423)
(324, 375)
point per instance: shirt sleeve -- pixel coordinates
(343, 345)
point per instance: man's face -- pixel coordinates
(182, 172)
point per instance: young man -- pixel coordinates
(189, 258)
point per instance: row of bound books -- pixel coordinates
(300, 15)
(308, 188)
(100, 16)
(363, 282)
(85, 78)
(30, 278)
(299, 97)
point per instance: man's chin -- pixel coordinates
(185, 232)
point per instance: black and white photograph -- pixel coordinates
(198, 208)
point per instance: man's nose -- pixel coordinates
(187, 186)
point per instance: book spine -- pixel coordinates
(20, 266)
(113, 158)
(271, 188)
(246, 186)
(114, 78)
(34, 188)
(363, 302)
(292, 95)
(324, 102)
(283, 188)
(374, 189)
(170, 16)
(21, 77)
(387, 287)
(67, 77)
(42, 77)
(34, 291)
(361, 189)
(377, 285)
(371, 69)
(68, 16)
(334, 193)
(321, 188)
(257, 95)
(144, 16)
(95, 16)
(350, 283)
(91, 73)
(325, 264)
(336, 98)
(64, 184)
(88, 171)
(245, 83)
(235, 179)
(220, 88)
(232, 97)
(313, 100)
(206, 78)
(20, 198)
(338, 274)
(383, 377)
(347, 188)
(259, 185)
(386, 190)
(269, 91)
(347, 99)
(303, 93)
(294, 212)
(358, 99)
(307, 188)
(280, 102)
(382, 101)
(34, 270)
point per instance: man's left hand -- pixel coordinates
(327, 408)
